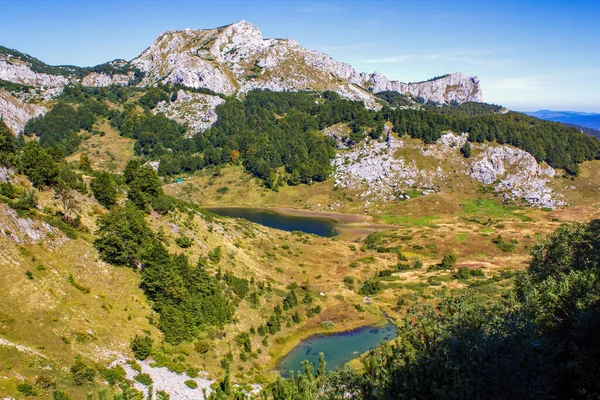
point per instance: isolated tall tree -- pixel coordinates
(466, 150)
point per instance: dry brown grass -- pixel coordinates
(109, 152)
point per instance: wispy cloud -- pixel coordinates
(453, 55)
(385, 60)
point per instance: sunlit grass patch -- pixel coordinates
(426, 220)
(462, 236)
(491, 209)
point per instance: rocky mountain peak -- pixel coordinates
(236, 58)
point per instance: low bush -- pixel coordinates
(141, 346)
(192, 384)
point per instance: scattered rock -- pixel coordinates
(197, 110)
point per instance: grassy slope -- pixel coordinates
(109, 152)
(460, 220)
(52, 317)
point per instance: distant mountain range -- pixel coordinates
(574, 118)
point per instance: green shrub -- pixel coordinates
(162, 395)
(329, 325)
(183, 241)
(504, 245)
(349, 282)
(466, 150)
(243, 339)
(191, 384)
(27, 201)
(77, 285)
(370, 287)
(192, 372)
(202, 346)
(215, 254)
(114, 375)
(448, 262)
(141, 346)
(144, 379)
(26, 389)
(81, 373)
(463, 273)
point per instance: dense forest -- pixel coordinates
(276, 135)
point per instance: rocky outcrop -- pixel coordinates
(17, 71)
(385, 171)
(376, 174)
(197, 110)
(517, 175)
(168, 381)
(25, 230)
(15, 113)
(96, 79)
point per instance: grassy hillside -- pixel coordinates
(70, 310)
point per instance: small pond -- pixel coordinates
(319, 226)
(338, 348)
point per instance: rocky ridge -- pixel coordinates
(236, 58)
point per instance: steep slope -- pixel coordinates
(15, 113)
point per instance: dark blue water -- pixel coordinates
(319, 226)
(338, 348)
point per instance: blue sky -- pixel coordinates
(528, 54)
